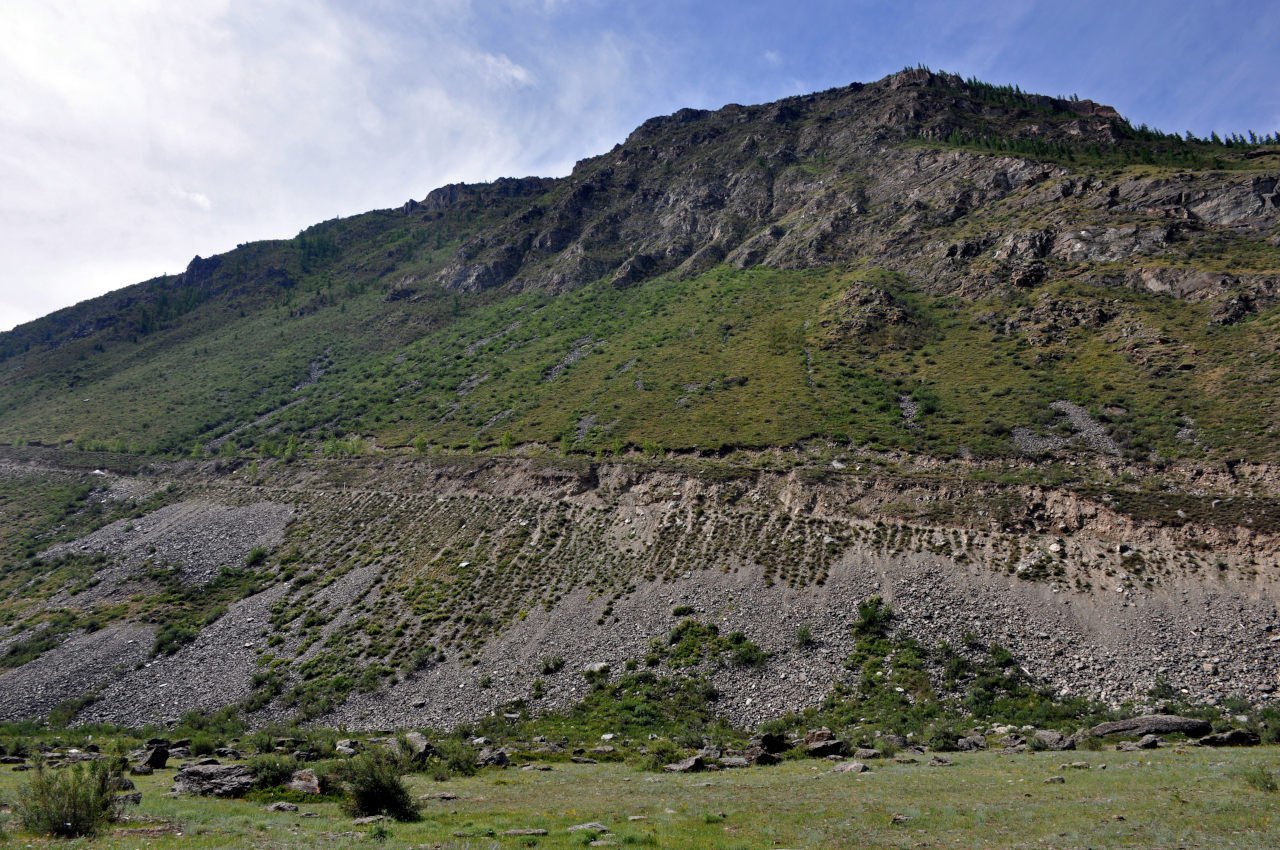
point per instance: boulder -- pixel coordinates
(156, 758)
(1052, 740)
(1233, 738)
(1150, 742)
(759, 755)
(772, 743)
(419, 749)
(493, 758)
(282, 807)
(734, 762)
(850, 767)
(133, 798)
(304, 782)
(899, 741)
(969, 743)
(822, 749)
(1153, 724)
(864, 753)
(814, 736)
(227, 753)
(141, 770)
(689, 765)
(213, 780)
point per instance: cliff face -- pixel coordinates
(447, 587)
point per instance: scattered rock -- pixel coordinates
(594, 826)
(156, 758)
(281, 807)
(1054, 780)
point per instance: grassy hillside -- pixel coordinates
(921, 263)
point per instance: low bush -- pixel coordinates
(373, 786)
(74, 801)
(270, 771)
(1260, 779)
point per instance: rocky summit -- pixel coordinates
(1001, 363)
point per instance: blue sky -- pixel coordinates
(135, 134)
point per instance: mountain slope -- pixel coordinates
(987, 285)
(1001, 358)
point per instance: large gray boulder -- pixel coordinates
(1153, 724)
(213, 780)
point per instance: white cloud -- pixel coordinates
(122, 123)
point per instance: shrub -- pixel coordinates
(374, 786)
(661, 753)
(203, 744)
(1260, 779)
(457, 758)
(682, 611)
(804, 636)
(270, 771)
(78, 800)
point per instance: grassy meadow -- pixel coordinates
(1192, 797)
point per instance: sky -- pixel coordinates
(136, 134)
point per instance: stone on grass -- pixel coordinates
(1233, 738)
(282, 807)
(689, 765)
(1153, 724)
(850, 767)
(304, 782)
(214, 780)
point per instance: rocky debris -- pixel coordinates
(214, 780)
(1153, 724)
(304, 782)
(732, 762)
(517, 832)
(690, 765)
(582, 760)
(199, 536)
(1231, 738)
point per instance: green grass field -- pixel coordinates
(1165, 798)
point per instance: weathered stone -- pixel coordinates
(593, 826)
(734, 762)
(493, 758)
(1053, 740)
(141, 770)
(1233, 738)
(304, 782)
(523, 832)
(689, 765)
(156, 758)
(134, 798)
(969, 743)
(213, 780)
(282, 807)
(759, 755)
(850, 767)
(1153, 724)
(865, 753)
